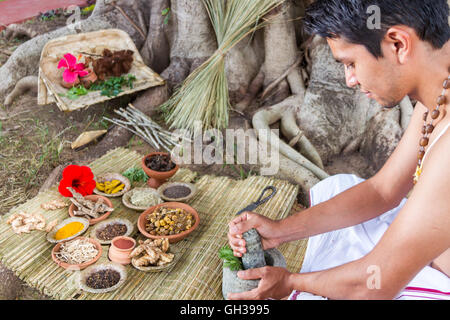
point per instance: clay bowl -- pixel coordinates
(126, 199)
(165, 267)
(51, 234)
(69, 85)
(175, 237)
(94, 198)
(157, 178)
(77, 266)
(166, 185)
(103, 224)
(110, 177)
(89, 79)
(103, 266)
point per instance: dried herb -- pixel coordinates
(113, 63)
(103, 279)
(176, 192)
(230, 261)
(161, 163)
(111, 231)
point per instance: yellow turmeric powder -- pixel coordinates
(69, 230)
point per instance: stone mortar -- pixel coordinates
(232, 283)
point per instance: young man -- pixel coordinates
(367, 241)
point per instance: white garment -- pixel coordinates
(338, 247)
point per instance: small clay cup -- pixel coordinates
(94, 198)
(89, 79)
(157, 178)
(69, 85)
(120, 254)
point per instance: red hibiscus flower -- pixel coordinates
(72, 69)
(80, 178)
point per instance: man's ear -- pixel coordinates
(399, 43)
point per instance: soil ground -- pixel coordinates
(36, 139)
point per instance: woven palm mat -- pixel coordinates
(197, 273)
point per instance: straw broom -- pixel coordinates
(203, 96)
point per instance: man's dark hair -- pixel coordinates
(347, 19)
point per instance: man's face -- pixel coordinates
(379, 78)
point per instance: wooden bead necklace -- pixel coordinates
(427, 129)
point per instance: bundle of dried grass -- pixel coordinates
(204, 94)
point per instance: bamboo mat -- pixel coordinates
(197, 275)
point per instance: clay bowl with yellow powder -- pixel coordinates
(68, 230)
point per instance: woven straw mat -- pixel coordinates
(197, 275)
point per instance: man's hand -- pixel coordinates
(267, 229)
(275, 283)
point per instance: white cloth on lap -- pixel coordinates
(338, 247)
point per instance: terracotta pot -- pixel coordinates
(175, 237)
(88, 80)
(77, 266)
(69, 85)
(157, 178)
(94, 198)
(120, 249)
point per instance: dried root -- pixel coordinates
(152, 253)
(87, 208)
(24, 85)
(54, 205)
(23, 222)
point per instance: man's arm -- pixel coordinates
(417, 236)
(366, 200)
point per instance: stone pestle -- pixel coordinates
(254, 256)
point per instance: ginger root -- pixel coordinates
(152, 253)
(23, 222)
(53, 205)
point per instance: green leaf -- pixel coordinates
(136, 174)
(166, 19)
(165, 11)
(75, 92)
(230, 261)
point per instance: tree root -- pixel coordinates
(253, 89)
(17, 30)
(23, 85)
(275, 83)
(287, 169)
(284, 111)
(286, 55)
(156, 50)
